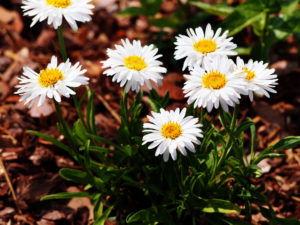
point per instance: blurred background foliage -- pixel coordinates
(271, 21)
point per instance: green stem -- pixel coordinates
(266, 26)
(229, 130)
(63, 51)
(125, 118)
(67, 131)
(223, 120)
(248, 210)
(78, 109)
(194, 221)
(178, 178)
(266, 23)
(234, 118)
(62, 46)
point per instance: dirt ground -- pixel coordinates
(33, 163)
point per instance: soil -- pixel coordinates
(32, 163)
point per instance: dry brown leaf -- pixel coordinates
(46, 109)
(11, 20)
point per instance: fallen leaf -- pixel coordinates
(46, 109)
(11, 20)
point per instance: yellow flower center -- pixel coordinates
(49, 77)
(135, 63)
(171, 130)
(59, 3)
(250, 74)
(216, 80)
(205, 46)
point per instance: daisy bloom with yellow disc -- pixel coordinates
(260, 79)
(51, 82)
(199, 45)
(172, 131)
(216, 84)
(55, 10)
(134, 65)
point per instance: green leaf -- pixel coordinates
(90, 112)
(138, 216)
(101, 220)
(80, 131)
(219, 206)
(165, 100)
(245, 125)
(278, 26)
(288, 6)
(243, 50)
(150, 216)
(154, 105)
(52, 140)
(104, 140)
(76, 176)
(97, 202)
(170, 22)
(213, 205)
(148, 8)
(207, 138)
(151, 7)
(269, 155)
(291, 23)
(253, 138)
(102, 150)
(245, 14)
(156, 102)
(132, 11)
(66, 195)
(285, 143)
(216, 9)
(287, 221)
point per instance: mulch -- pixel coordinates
(33, 163)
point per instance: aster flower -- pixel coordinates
(260, 79)
(169, 131)
(55, 10)
(217, 83)
(134, 65)
(51, 82)
(199, 45)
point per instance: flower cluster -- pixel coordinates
(213, 81)
(200, 181)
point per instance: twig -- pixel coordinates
(110, 109)
(9, 183)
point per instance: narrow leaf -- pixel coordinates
(66, 195)
(73, 175)
(216, 9)
(52, 140)
(101, 220)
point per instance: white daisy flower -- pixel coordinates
(169, 131)
(199, 45)
(50, 82)
(55, 10)
(217, 83)
(134, 65)
(261, 80)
